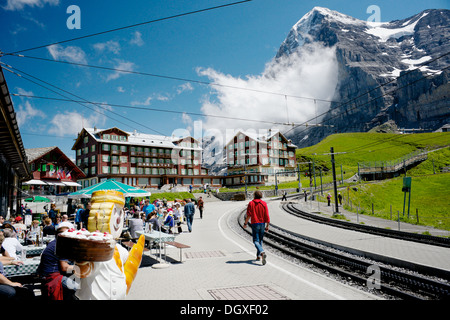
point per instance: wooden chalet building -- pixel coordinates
(53, 172)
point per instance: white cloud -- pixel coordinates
(26, 112)
(185, 87)
(146, 102)
(120, 89)
(70, 123)
(311, 72)
(70, 53)
(111, 45)
(20, 4)
(137, 39)
(121, 65)
(187, 120)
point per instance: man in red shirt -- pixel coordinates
(258, 212)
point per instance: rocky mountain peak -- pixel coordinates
(372, 54)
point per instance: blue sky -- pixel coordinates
(235, 43)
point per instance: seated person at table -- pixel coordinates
(148, 208)
(11, 244)
(135, 224)
(57, 221)
(55, 272)
(168, 222)
(19, 226)
(13, 290)
(49, 229)
(154, 222)
(9, 289)
(35, 229)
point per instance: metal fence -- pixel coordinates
(393, 165)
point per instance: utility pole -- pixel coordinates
(334, 179)
(245, 179)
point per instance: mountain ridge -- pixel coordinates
(401, 63)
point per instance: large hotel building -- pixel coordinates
(254, 158)
(154, 161)
(140, 159)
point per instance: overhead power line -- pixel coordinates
(170, 78)
(28, 76)
(146, 108)
(133, 25)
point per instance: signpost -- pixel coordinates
(406, 188)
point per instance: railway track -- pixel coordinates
(388, 280)
(420, 238)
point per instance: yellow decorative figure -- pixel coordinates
(106, 214)
(109, 280)
(134, 261)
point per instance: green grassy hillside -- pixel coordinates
(427, 187)
(365, 147)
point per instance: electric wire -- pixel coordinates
(133, 26)
(78, 102)
(171, 78)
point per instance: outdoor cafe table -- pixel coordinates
(157, 236)
(29, 267)
(33, 250)
(44, 239)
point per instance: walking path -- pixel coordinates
(221, 265)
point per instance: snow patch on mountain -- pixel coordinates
(384, 31)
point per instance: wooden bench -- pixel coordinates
(179, 246)
(130, 244)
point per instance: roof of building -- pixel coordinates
(263, 136)
(138, 139)
(34, 154)
(11, 144)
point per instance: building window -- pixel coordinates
(105, 147)
(93, 159)
(105, 169)
(123, 148)
(93, 148)
(123, 170)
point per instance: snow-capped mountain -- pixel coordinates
(373, 57)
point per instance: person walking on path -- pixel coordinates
(258, 214)
(189, 211)
(200, 206)
(329, 199)
(340, 198)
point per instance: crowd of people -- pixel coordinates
(54, 273)
(15, 235)
(161, 215)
